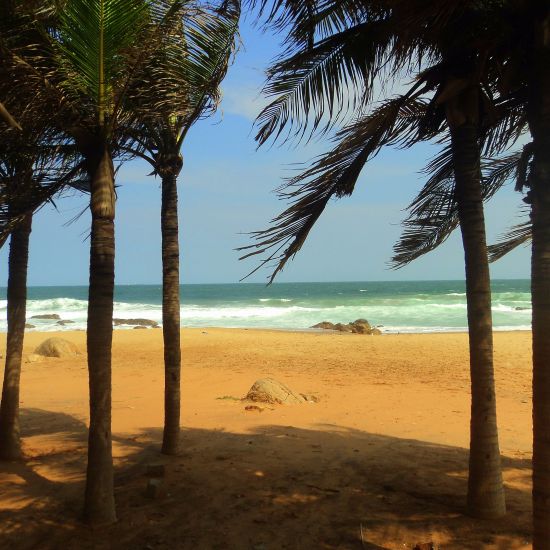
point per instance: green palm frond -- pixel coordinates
(92, 38)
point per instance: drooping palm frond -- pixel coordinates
(316, 87)
(516, 236)
(515, 168)
(304, 22)
(35, 166)
(433, 214)
(334, 175)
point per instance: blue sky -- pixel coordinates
(226, 191)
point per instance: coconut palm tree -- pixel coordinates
(89, 61)
(200, 49)
(34, 166)
(459, 95)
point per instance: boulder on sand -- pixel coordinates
(56, 347)
(267, 390)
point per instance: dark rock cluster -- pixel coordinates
(359, 326)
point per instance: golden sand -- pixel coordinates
(380, 462)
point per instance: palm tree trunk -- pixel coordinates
(539, 196)
(171, 312)
(10, 441)
(485, 488)
(99, 506)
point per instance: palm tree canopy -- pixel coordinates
(189, 66)
(419, 38)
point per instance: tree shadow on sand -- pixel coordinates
(275, 487)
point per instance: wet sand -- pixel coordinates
(379, 462)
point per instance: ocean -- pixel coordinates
(411, 306)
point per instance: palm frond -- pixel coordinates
(516, 236)
(433, 214)
(324, 82)
(92, 37)
(333, 175)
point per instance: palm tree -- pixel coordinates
(10, 442)
(200, 49)
(523, 47)
(35, 165)
(313, 79)
(89, 61)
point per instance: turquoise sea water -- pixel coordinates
(413, 306)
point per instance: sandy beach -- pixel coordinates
(380, 462)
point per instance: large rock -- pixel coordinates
(138, 322)
(326, 325)
(343, 328)
(63, 323)
(361, 326)
(28, 325)
(46, 316)
(268, 390)
(56, 347)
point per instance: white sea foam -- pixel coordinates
(405, 312)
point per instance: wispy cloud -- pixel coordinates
(244, 100)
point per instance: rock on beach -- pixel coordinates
(268, 390)
(359, 326)
(56, 347)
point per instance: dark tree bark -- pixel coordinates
(485, 488)
(99, 506)
(539, 197)
(10, 441)
(171, 306)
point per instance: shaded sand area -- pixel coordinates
(379, 463)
